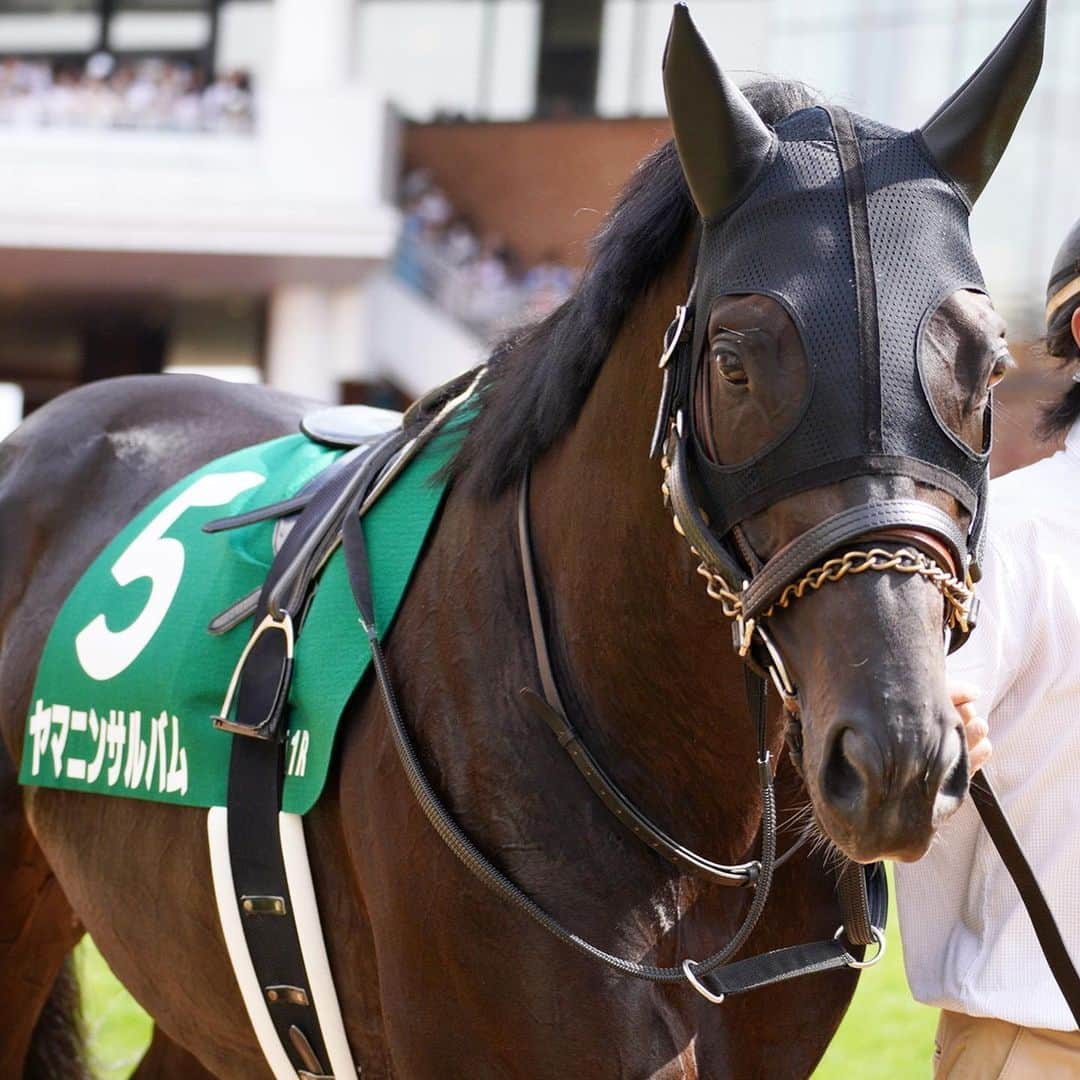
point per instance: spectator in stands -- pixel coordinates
(460, 242)
(227, 103)
(152, 94)
(434, 210)
(440, 254)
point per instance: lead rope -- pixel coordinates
(461, 845)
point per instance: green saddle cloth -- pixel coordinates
(130, 677)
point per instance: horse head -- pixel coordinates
(826, 417)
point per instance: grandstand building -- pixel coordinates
(234, 201)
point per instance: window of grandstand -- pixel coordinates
(569, 57)
(51, 7)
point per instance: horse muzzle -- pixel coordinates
(883, 797)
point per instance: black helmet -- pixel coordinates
(1064, 284)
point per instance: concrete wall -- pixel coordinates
(412, 343)
(295, 190)
(474, 57)
(544, 185)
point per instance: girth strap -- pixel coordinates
(260, 689)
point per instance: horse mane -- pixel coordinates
(538, 377)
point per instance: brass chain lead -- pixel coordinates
(956, 593)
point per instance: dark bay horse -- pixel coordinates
(437, 977)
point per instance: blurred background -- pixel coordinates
(353, 198)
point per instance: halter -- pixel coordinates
(751, 591)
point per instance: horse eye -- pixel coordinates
(1003, 364)
(730, 365)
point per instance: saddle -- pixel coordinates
(379, 443)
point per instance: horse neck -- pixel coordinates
(643, 657)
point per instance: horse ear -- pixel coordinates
(970, 132)
(722, 142)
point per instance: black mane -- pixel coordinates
(538, 378)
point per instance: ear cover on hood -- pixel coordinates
(723, 144)
(968, 135)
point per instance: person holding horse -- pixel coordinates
(969, 948)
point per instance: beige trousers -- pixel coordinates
(974, 1048)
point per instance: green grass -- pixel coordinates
(885, 1035)
(117, 1030)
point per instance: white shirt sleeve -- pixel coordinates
(994, 654)
(968, 942)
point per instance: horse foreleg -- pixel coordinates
(37, 932)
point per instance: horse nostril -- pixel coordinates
(844, 776)
(955, 765)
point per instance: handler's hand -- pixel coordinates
(964, 696)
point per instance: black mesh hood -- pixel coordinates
(853, 229)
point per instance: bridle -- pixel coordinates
(750, 591)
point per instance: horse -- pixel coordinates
(437, 977)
